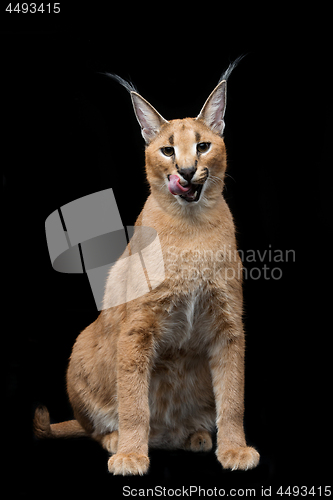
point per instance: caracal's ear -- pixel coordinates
(213, 110)
(149, 119)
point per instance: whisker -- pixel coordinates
(214, 179)
(163, 185)
(228, 175)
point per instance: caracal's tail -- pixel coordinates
(43, 428)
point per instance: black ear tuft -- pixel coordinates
(230, 68)
(129, 86)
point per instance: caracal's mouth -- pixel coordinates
(190, 193)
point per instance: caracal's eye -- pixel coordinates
(203, 147)
(168, 151)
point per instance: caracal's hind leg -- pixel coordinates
(109, 441)
(199, 441)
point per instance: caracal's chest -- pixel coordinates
(180, 394)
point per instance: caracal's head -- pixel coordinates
(186, 158)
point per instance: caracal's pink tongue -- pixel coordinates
(175, 187)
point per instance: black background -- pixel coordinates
(68, 131)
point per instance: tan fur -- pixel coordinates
(164, 370)
(44, 429)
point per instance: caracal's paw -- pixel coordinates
(241, 457)
(201, 441)
(110, 442)
(128, 464)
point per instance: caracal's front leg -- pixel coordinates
(227, 368)
(135, 347)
